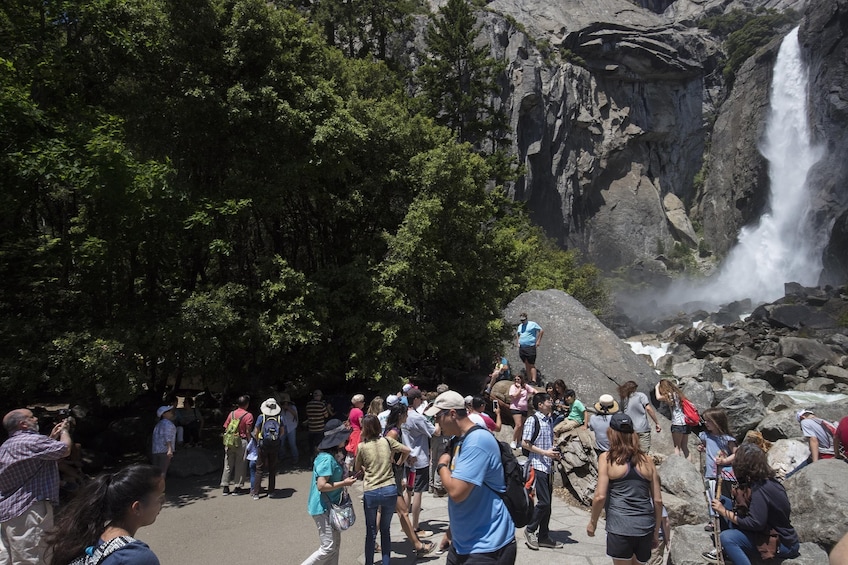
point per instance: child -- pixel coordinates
(669, 393)
(720, 449)
(251, 454)
(576, 417)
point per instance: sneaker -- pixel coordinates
(255, 497)
(711, 555)
(227, 491)
(512, 445)
(549, 543)
(531, 540)
(237, 491)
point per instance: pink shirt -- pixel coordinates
(519, 396)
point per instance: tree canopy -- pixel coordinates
(213, 191)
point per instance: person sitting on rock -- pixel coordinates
(576, 414)
(818, 437)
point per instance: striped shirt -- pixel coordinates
(316, 415)
(29, 472)
(545, 440)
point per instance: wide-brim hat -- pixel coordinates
(606, 403)
(335, 432)
(270, 407)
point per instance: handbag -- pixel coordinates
(342, 515)
(766, 543)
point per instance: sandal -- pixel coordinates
(423, 533)
(427, 547)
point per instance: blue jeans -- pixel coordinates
(738, 544)
(384, 499)
(253, 488)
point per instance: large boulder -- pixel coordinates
(786, 455)
(744, 412)
(819, 501)
(808, 352)
(688, 542)
(682, 479)
(577, 347)
(780, 425)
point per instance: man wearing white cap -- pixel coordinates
(481, 529)
(819, 439)
(383, 416)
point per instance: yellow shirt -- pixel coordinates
(375, 456)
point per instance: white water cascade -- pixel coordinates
(781, 247)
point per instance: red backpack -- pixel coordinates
(691, 417)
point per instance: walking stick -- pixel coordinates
(717, 521)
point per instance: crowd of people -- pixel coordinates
(403, 446)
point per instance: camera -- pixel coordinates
(64, 412)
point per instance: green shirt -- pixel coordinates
(325, 466)
(576, 412)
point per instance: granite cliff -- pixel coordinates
(616, 107)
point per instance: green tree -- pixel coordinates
(457, 77)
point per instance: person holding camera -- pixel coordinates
(538, 439)
(29, 485)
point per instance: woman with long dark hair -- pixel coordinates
(637, 405)
(374, 457)
(397, 417)
(105, 516)
(629, 489)
(768, 510)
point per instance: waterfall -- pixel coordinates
(781, 247)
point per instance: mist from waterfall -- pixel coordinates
(781, 246)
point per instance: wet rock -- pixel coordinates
(807, 352)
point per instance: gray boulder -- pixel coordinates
(744, 412)
(779, 425)
(687, 544)
(819, 501)
(682, 511)
(577, 347)
(682, 479)
(700, 394)
(808, 352)
(689, 369)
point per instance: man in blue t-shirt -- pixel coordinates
(529, 336)
(481, 529)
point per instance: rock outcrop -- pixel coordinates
(577, 347)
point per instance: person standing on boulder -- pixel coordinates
(529, 336)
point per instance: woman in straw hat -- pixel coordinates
(599, 422)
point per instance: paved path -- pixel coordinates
(200, 526)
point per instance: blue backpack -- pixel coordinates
(271, 434)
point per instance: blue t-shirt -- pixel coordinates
(714, 444)
(482, 523)
(527, 333)
(134, 553)
(325, 466)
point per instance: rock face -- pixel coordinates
(577, 347)
(824, 40)
(615, 105)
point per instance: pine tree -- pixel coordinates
(458, 78)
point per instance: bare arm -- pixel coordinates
(539, 337)
(653, 415)
(600, 498)
(814, 448)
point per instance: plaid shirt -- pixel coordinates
(545, 440)
(29, 472)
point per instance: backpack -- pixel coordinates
(231, 435)
(524, 451)
(828, 427)
(517, 497)
(691, 417)
(95, 555)
(270, 436)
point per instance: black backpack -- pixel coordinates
(517, 496)
(524, 451)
